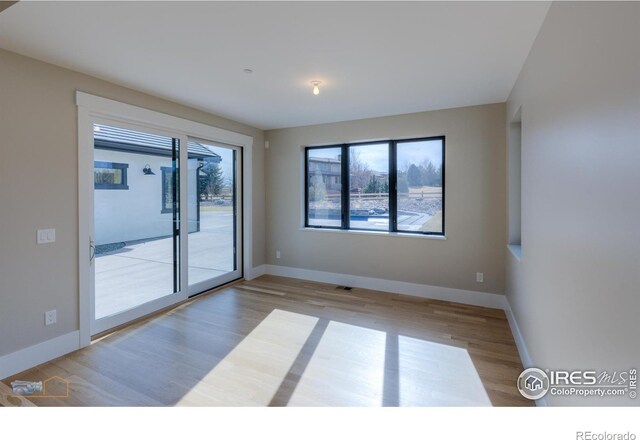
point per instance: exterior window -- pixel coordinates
(110, 175)
(419, 171)
(395, 186)
(167, 190)
(324, 176)
(369, 187)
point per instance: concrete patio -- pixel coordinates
(143, 271)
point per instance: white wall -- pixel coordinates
(576, 292)
(475, 203)
(136, 213)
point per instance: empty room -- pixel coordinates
(321, 204)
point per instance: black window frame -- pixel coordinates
(111, 166)
(393, 185)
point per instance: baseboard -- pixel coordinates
(35, 355)
(525, 358)
(482, 299)
(517, 336)
(257, 271)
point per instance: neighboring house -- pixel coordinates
(329, 169)
(133, 169)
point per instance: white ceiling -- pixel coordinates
(374, 59)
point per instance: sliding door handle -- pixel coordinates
(92, 251)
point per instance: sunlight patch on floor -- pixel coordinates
(432, 374)
(347, 369)
(252, 373)
(337, 364)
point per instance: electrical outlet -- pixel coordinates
(277, 254)
(50, 317)
(480, 277)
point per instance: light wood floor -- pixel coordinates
(282, 342)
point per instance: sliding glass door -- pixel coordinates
(167, 220)
(214, 215)
(136, 240)
(160, 211)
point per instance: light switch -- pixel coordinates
(46, 236)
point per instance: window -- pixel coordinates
(167, 190)
(420, 186)
(324, 188)
(110, 175)
(515, 184)
(395, 186)
(369, 186)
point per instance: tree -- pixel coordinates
(373, 187)
(317, 189)
(359, 171)
(403, 185)
(414, 176)
(211, 180)
(429, 174)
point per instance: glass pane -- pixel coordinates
(136, 255)
(369, 182)
(324, 171)
(212, 207)
(108, 176)
(420, 186)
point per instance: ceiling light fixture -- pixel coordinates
(316, 89)
(247, 71)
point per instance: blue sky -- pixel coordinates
(377, 155)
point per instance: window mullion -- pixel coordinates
(306, 188)
(393, 188)
(345, 187)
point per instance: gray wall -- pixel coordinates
(38, 189)
(576, 292)
(475, 203)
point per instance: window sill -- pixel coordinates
(516, 251)
(377, 233)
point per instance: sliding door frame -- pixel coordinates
(179, 290)
(238, 223)
(94, 108)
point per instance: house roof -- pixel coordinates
(324, 160)
(122, 139)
